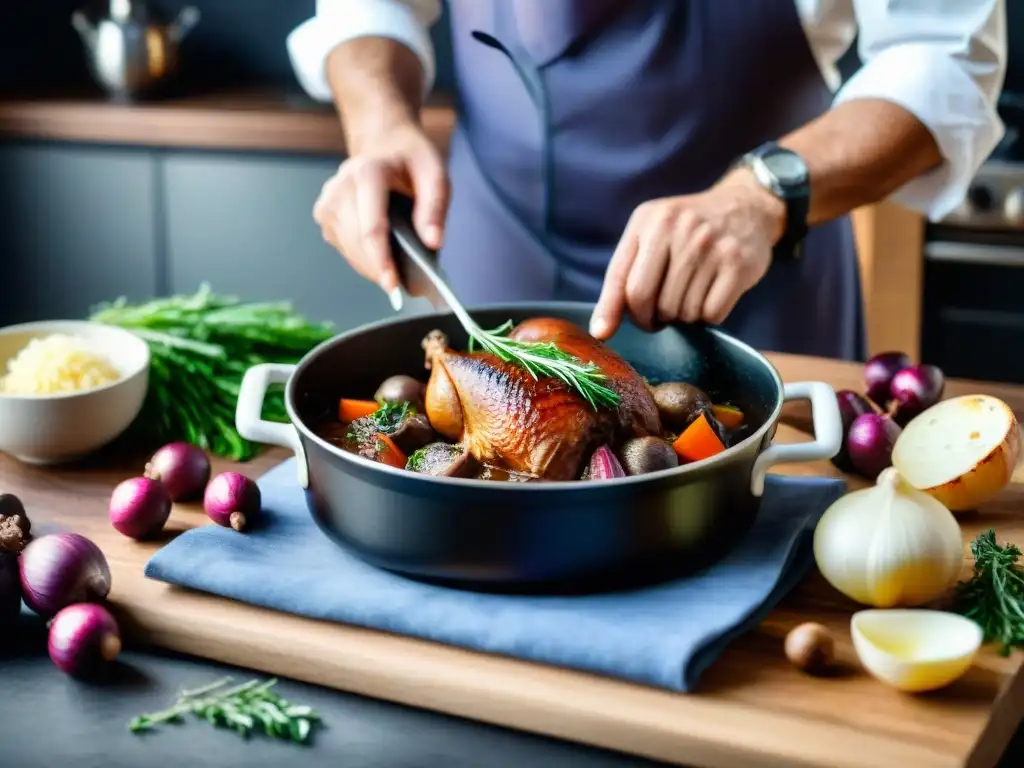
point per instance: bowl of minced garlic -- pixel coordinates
(68, 387)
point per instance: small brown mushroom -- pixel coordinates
(680, 403)
(401, 389)
(811, 648)
(647, 454)
(413, 433)
(15, 528)
(443, 460)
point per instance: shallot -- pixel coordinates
(914, 390)
(60, 569)
(139, 507)
(851, 405)
(879, 372)
(83, 638)
(182, 468)
(870, 442)
(604, 465)
(232, 500)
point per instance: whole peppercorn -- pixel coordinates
(15, 527)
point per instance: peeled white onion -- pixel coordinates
(962, 451)
(889, 545)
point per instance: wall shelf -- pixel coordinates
(234, 120)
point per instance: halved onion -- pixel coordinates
(962, 451)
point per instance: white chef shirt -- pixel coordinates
(942, 60)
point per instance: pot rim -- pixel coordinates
(547, 486)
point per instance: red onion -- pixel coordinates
(851, 405)
(915, 389)
(878, 373)
(60, 569)
(83, 638)
(232, 500)
(870, 442)
(183, 469)
(139, 507)
(604, 465)
(10, 587)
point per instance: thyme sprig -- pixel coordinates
(546, 359)
(994, 595)
(243, 708)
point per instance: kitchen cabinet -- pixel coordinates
(244, 224)
(79, 227)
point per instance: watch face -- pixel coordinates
(787, 167)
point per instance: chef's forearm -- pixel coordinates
(859, 153)
(377, 83)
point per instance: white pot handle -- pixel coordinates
(828, 432)
(249, 413)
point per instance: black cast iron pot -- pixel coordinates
(570, 535)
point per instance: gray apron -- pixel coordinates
(573, 112)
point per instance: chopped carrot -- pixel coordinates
(729, 416)
(698, 441)
(389, 453)
(350, 410)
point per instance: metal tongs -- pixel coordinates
(418, 267)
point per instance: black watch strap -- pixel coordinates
(784, 173)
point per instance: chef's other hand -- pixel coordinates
(352, 209)
(691, 257)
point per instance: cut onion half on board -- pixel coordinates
(962, 451)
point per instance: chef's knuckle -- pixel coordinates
(685, 220)
(729, 252)
(638, 293)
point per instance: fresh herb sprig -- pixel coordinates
(994, 595)
(201, 346)
(243, 708)
(545, 358)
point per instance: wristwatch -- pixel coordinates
(784, 173)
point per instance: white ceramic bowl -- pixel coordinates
(915, 650)
(49, 429)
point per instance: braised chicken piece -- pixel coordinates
(539, 427)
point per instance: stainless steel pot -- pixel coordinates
(489, 534)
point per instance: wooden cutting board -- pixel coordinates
(752, 708)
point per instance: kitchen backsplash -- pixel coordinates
(237, 42)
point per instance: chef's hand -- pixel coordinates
(352, 209)
(691, 257)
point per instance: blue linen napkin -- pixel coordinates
(664, 635)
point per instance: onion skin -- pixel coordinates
(232, 500)
(851, 405)
(139, 508)
(914, 390)
(870, 442)
(10, 588)
(83, 639)
(879, 372)
(182, 468)
(60, 569)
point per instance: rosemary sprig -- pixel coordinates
(243, 708)
(545, 358)
(994, 595)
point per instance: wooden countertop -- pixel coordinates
(752, 708)
(238, 120)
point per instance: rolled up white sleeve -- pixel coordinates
(337, 21)
(943, 61)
